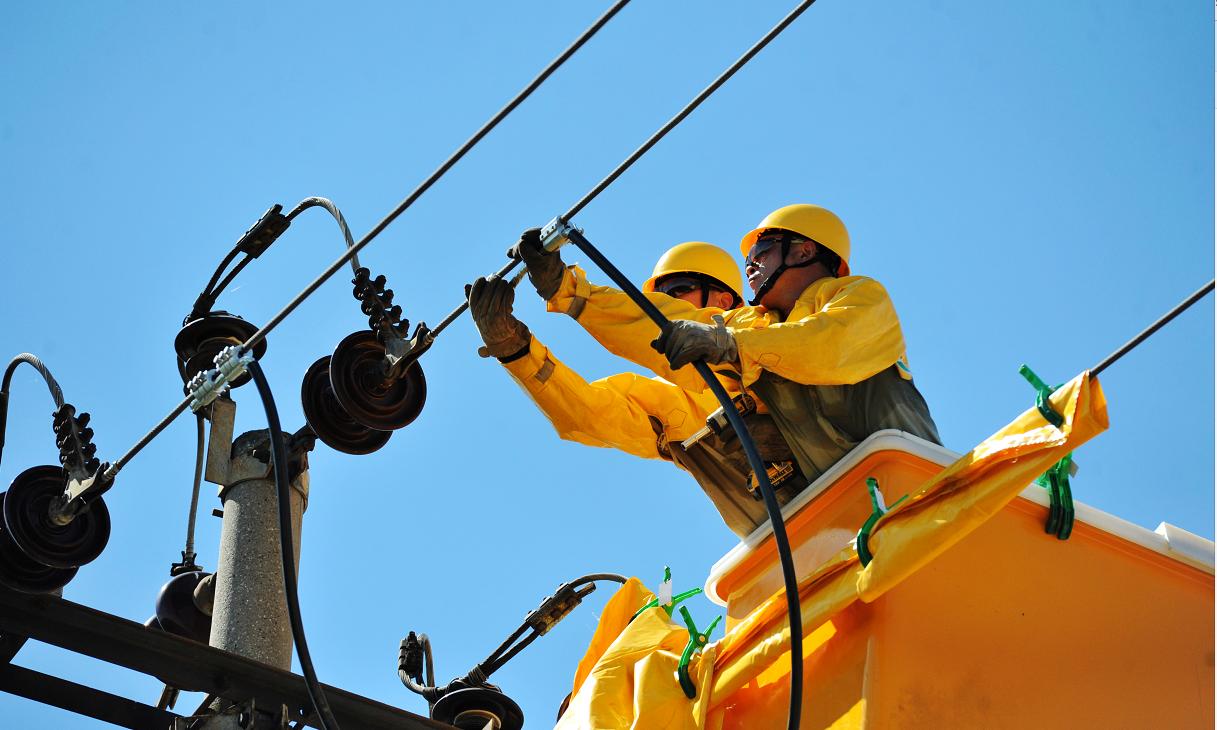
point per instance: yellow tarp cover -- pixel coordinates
(627, 678)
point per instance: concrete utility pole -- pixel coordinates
(249, 616)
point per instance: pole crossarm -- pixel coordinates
(187, 664)
(82, 700)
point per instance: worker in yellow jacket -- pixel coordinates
(818, 360)
(646, 417)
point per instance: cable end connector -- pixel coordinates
(556, 233)
(208, 385)
(410, 657)
(556, 607)
(262, 234)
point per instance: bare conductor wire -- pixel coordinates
(352, 252)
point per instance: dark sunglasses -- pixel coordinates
(678, 286)
(766, 243)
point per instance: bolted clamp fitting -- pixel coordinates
(208, 385)
(556, 234)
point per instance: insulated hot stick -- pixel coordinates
(261, 334)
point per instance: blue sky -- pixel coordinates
(1033, 182)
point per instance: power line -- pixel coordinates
(1144, 335)
(370, 235)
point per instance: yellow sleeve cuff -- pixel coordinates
(534, 369)
(572, 293)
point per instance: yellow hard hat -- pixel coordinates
(819, 224)
(699, 257)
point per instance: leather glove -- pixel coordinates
(684, 341)
(490, 303)
(545, 268)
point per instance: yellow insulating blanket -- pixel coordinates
(627, 679)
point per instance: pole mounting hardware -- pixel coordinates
(208, 385)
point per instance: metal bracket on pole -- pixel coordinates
(223, 416)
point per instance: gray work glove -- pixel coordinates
(684, 341)
(490, 303)
(545, 268)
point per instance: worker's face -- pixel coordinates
(766, 255)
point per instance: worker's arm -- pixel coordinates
(840, 332)
(616, 411)
(618, 324)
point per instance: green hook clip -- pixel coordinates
(1056, 479)
(1060, 497)
(665, 598)
(697, 641)
(1042, 393)
(878, 509)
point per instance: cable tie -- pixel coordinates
(208, 385)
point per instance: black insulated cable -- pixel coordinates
(401, 208)
(774, 511)
(1144, 335)
(651, 142)
(283, 491)
(781, 540)
(254, 242)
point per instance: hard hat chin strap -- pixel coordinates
(772, 279)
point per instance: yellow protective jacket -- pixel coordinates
(826, 377)
(627, 411)
(647, 417)
(840, 331)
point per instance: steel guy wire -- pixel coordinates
(370, 235)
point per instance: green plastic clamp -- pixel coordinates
(1042, 393)
(676, 599)
(878, 509)
(1060, 498)
(1056, 479)
(697, 640)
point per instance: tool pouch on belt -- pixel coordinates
(717, 461)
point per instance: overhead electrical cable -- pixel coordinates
(188, 553)
(1144, 335)
(772, 508)
(651, 142)
(261, 334)
(283, 491)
